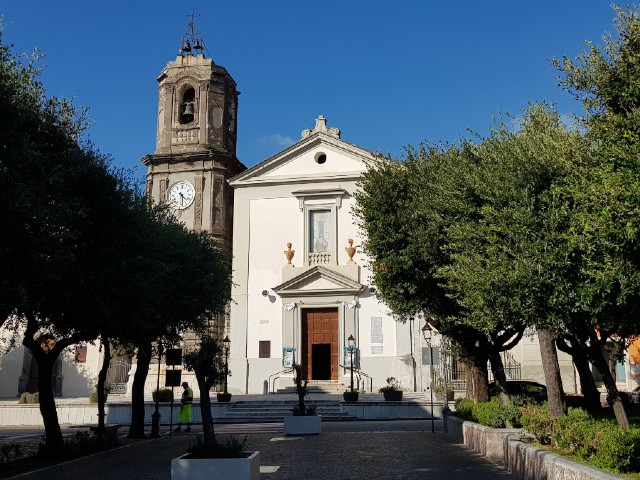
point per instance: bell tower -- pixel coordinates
(196, 140)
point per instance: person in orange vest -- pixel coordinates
(184, 415)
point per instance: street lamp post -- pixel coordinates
(426, 331)
(155, 418)
(352, 342)
(227, 344)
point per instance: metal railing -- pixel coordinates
(357, 372)
(276, 376)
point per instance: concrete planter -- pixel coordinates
(303, 425)
(392, 396)
(350, 396)
(228, 468)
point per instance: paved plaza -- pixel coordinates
(400, 449)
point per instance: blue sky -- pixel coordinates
(388, 74)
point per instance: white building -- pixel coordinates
(301, 302)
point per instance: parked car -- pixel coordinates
(525, 388)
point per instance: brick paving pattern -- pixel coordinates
(380, 450)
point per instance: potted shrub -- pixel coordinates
(439, 391)
(350, 396)
(304, 420)
(391, 391)
(226, 460)
(206, 458)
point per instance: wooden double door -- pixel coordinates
(320, 343)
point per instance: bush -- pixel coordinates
(392, 386)
(464, 408)
(619, 450)
(166, 395)
(496, 415)
(537, 421)
(578, 433)
(28, 397)
(230, 448)
(84, 443)
(93, 398)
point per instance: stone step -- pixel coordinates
(317, 386)
(276, 410)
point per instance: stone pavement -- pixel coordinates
(345, 450)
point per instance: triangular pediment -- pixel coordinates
(303, 160)
(319, 280)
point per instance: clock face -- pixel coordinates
(181, 194)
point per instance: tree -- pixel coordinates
(406, 210)
(204, 361)
(187, 276)
(604, 219)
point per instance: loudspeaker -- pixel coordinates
(173, 378)
(174, 356)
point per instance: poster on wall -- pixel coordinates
(288, 356)
(347, 356)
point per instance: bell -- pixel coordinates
(186, 46)
(196, 45)
(188, 109)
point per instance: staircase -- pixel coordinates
(317, 386)
(267, 411)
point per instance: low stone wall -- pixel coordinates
(505, 446)
(87, 414)
(390, 410)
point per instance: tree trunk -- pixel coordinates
(45, 355)
(136, 428)
(588, 387)
(208, 432)
(613, 396)
(499, 375)
(102, 378)
(477, 380)
(552, 376)
(54, 440)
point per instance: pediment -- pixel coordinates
(299, 162)
(319, 281)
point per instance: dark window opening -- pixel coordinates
(320, 159)
(264, 349)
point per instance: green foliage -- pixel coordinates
(392, 385)
(537, 421)
(301, 382)
(578, 433)
(27, 397)
(619, 450)
(166, 395)
(93, 398)
(230, 448)
(85, 443)
(9, 451)
(496, 415)
(464, 408)
(308, 411)
(599, 442)
(205, 362)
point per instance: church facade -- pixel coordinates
(301, 283)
